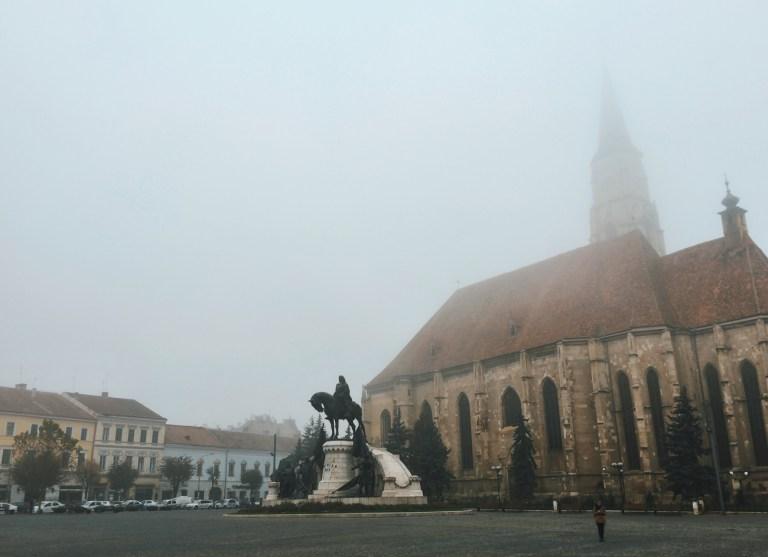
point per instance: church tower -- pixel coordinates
(620, 198)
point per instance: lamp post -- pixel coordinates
(497, 469)
(619, 467)
(739, 479)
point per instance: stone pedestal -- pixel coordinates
(273, 491)
(337, 468)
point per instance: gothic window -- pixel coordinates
(657, 414)
(512, 410)
(386, 425)
(755, 412)
(465, 433)
(426, 410)
(552, 415)
(715, 395)
(628, 423)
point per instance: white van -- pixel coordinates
(178, 502)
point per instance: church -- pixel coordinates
(592, 346)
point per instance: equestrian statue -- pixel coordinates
(339, 406)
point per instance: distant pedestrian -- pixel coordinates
(600, 517)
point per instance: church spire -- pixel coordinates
(614, 136)
(621, 200)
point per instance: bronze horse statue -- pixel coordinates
(324, 402)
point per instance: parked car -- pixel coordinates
(7, 508)
(227, 504)
(94, 507)
(150, 505)
(117, 506)
(133, 505)
(199, 504)
(50, 507)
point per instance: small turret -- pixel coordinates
(734, 220)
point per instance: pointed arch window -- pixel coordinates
(465, 433)
(755, 412)
(552, 414)
(512, 410)
(628, 422)
(657, 414)
(385, 422)
(715, 395)
(426, 411)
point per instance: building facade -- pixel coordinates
(126, 430)
(591, 347)
(23, 410)
(220, 459)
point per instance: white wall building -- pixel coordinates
(231, 453)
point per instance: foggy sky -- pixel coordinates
(216, 207)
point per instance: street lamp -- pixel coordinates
(619, 467)
(497, 469)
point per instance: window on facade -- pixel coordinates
(115, 460)
(68, 431)
(80, 458)
(84, 434)
(199, 467)
(118, 434)
(426, 411)
(755, 412)
(512, 410)
(129, 461)
(143, 436)
(267, 468)
(243, 467)
(103, 462)
(10, 429)
(105, 433)
(6, 458)
(552, 415)
(131, 435)
(628, 423)
(33, 430)
(465, 433)
(155, 436)
(152, 464)
(231, 468)
(712, 379)
(657, 414)
(140, 464)
(385, 422)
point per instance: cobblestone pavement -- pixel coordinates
(204, 533)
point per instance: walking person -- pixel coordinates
(599, 515)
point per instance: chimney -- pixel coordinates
(104, 394)
(734, 220)
(21, 386)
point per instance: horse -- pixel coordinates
(324, 402)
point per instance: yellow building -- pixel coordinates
(23, 409)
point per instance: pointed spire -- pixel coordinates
(614, 136)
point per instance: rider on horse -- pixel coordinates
(342, 397)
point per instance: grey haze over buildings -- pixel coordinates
(217, 208)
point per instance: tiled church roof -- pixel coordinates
(592, 291)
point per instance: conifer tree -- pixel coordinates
(685, 475)
(428, 457)
(523, 463)
(399, 439)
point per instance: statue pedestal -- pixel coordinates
(273, 491)
(337, 469)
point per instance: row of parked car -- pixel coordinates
(95, 506)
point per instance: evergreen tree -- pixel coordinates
(428, 457)
(399, 439)
(523, 463)
(684, 474)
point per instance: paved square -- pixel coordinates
(209, 533)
